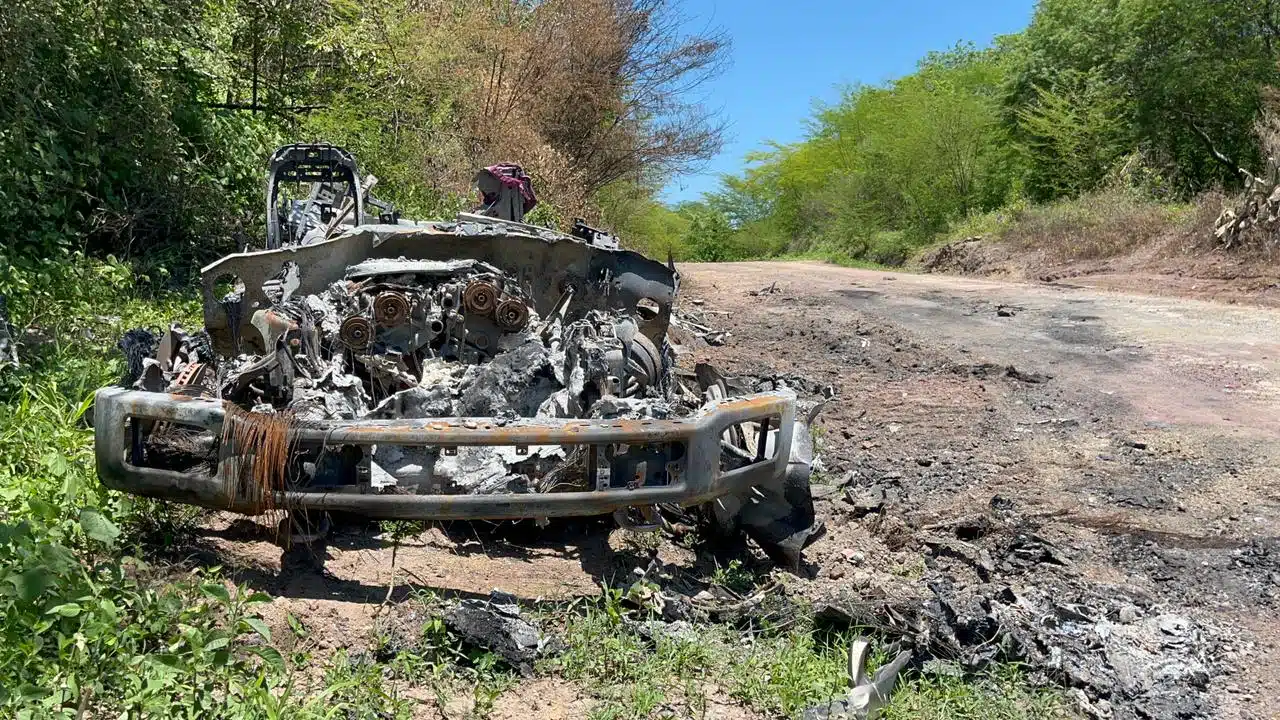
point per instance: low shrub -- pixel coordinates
(1094, 225)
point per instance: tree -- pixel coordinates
(1178, 79)
(608, 84)
(709, 237)
(742, 200)
(1074, 132)
(1194, 71)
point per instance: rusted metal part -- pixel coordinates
(271, 326)
(480, 298)
(191, 376)
(391, 309)
(356, 333)
(116, 410)
(259, 445)
(512, 315)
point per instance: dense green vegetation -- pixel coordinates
(141, 128)
(1154, 98)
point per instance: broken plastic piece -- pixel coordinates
(867, 696)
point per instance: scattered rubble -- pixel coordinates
(694, 323)
(1006, 594)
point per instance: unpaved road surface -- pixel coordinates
(1142, 432)
(1134, 438)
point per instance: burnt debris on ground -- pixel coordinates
(495, 624)
(938, 493)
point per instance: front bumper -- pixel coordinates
(120, 413)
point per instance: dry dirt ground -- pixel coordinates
(1145, 444)
(1136, 438)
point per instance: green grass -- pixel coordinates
(777, 674)
(629, 677)
(1000, 695)
(837, 257)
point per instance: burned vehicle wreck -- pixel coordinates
(479, 368)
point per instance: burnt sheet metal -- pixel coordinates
(117, 410)
(546, 263)
(495, 624)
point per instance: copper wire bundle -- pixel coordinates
(260, 444)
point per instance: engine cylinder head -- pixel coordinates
(356, 333)
(512, 315)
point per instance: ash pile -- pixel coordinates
(399, 338)
(998, 587)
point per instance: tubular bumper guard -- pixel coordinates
(701, 480)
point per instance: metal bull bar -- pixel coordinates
(119, 414)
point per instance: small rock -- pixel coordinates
(1173, 625)
(869, 500)
(999, 502)
(836, 572)
(856, 557)
(1128, 614)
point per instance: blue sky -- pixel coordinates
(787, 55)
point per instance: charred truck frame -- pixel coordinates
(481, 368)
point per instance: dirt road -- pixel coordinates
(990, 446)
(1142, 432)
